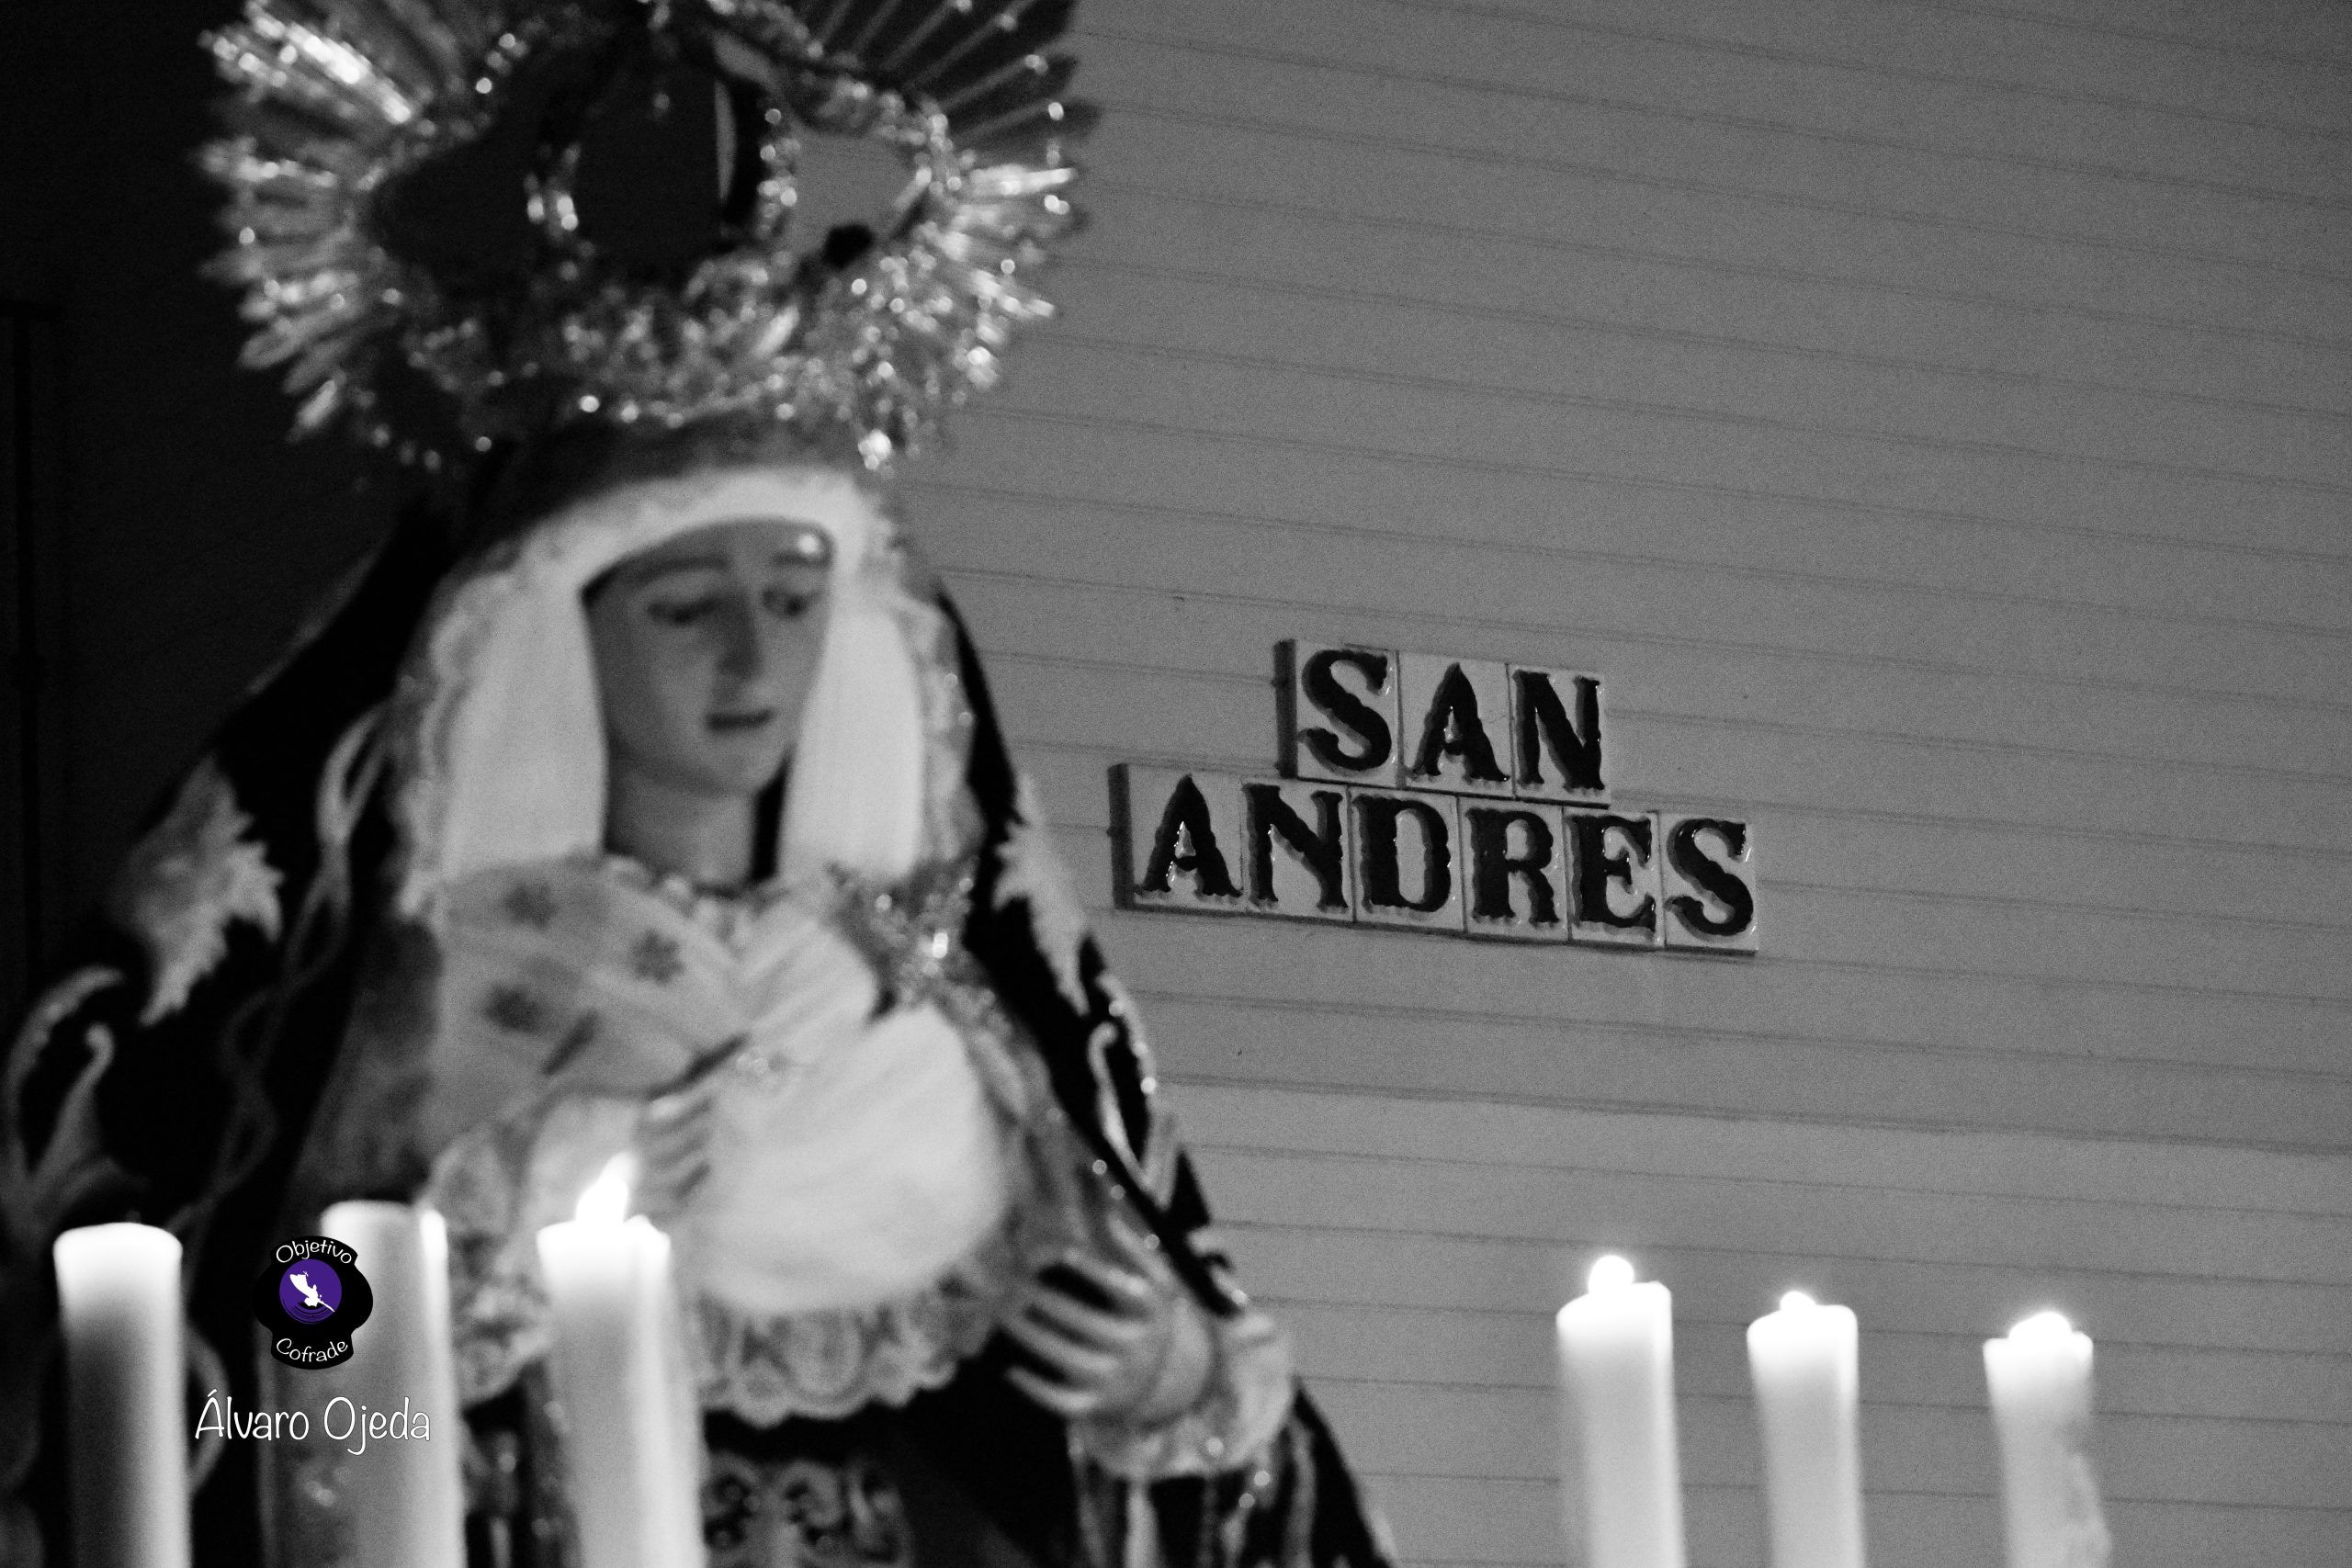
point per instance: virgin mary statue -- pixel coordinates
(643, 811)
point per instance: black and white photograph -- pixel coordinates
(1176, 783)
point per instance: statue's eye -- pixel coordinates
(683, 612)
(789, 603)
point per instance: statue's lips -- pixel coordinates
(741, 723)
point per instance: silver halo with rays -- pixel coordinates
(339, 102)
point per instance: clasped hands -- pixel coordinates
(1115, 1338)
(1110, 1334)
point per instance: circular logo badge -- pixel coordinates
(311, 1296)
(310, 1292)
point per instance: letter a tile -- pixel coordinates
(1457, 726)
(1180, 839)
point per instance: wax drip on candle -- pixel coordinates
(1609, 1273)
(2038, 1380)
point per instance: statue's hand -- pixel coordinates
(674, 1137)
(1116, 1339)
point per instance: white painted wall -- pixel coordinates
(1932, 421)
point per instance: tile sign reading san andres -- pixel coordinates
(1447, 795)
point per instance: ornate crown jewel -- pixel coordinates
(344, 104)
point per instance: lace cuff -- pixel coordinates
(1240, 1410)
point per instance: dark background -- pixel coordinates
(161, 534)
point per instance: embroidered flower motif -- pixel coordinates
(655, 958)
(1032, 871)
(530, 904)
(846, 1514)
(188, 881)
(511, 1007)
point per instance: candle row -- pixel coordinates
(1622, 1495)
(631, 1428)
(633, 1453)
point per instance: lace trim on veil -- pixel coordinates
(827, 1364)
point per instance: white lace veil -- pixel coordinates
(499, 733)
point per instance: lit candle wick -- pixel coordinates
(2043, 1325)
(1801, 1361)
(1610, 1272)
(1622, 1500)
(2038, 1380)
(632, 1449)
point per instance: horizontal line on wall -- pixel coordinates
(1706, 1320)
(1553, 1024)
(1090, 830)
(1691, 413)
(1651, 332)
(2145, 1145)
(1967, 1409)
(1488, 9)
(1670, 1034)
(1515, 1315)
(1014, 414)
(2005, 1196)
(2317, 1003)
(1749, 807)
(1493, 87)
(2108, 1408)
(2065, 906)
(1621, 710)
(1256, 125)
(1477, 1475)
(1603, 1105)
(2062, 906)
(1272, 524)
(2071, 1272)
(1749, 1489)
(1377, 221)
(2136, 35)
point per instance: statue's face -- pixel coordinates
(705, 645)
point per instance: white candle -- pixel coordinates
(1802, 1360)
(407, 1501)
(632, 1442)
(2039, 1379)
(1616, 1346)
(119, 1302)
